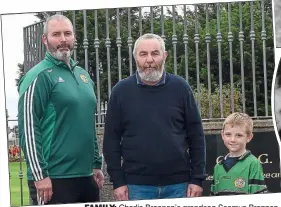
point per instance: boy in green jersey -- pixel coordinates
(239, 172)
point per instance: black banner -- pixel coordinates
(264, 146)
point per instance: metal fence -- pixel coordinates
(224, 50)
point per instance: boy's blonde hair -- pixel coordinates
(240, 119)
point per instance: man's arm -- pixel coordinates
(195, 137)
(97, 156)
(97, 159)
(31, 106)
(97, 165)
(111, 141)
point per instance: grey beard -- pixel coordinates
(62, 55)
(153, 76)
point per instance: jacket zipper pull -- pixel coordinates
(72, 68)
(74, 65)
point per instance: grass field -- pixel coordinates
(15, 184)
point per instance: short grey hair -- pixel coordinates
(58, 17)
(149, 36)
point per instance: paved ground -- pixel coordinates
(277, 16)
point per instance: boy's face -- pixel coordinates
(235, 138)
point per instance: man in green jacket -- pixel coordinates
(57, 123)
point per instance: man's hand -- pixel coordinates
(121, 193)
(44, 189)
(194, 190)
(99, 177)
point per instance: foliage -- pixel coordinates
(187, 59)
(20, 73)
(213, 109)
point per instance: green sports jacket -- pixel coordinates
(245, 177)
(56, 113)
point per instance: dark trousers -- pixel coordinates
(69, 190)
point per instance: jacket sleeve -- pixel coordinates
(31, 107)
(111, 142)
(97, 163)
(97, 156)
(256, 179)
(195, 137)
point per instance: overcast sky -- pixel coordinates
(12, 30)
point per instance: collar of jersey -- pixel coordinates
(59, 63)
(242, 157)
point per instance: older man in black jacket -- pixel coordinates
(154, 124)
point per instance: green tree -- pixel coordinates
(174, 27)
(20, 73)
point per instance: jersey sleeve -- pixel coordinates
(31, 106)
(256, 179)
(213, 190)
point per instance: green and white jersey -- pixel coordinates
(56, 113)
(243, 176)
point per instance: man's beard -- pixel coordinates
(60, 55)
(153, 75)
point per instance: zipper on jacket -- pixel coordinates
(72, 73)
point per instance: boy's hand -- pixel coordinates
(194, 190)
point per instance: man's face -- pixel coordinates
(59, 39)
(150, 60)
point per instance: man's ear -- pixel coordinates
(165, 54)
(44, 39)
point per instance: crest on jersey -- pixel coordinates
(84, 78)
(239, 182)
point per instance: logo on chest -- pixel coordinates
(239, 182)
(84, 78)
(226, 177)
(61, 80)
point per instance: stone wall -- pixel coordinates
(210, 127)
